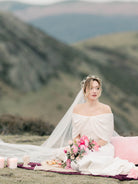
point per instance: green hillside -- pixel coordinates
(40, 76)
(29, 57)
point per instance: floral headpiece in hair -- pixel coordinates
(90, 77)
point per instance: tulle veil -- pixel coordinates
(52, 146)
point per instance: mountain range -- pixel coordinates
(73, 21)
(40, 76)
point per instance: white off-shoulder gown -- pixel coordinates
(100, 162)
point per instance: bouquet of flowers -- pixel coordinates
(77, 149)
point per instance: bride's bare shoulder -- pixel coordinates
(106, 108)
(78, 107)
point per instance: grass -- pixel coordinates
(45, 103)
(22, 176)
(62, 93)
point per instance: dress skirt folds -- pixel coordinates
(100, 162)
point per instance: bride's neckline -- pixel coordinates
(92, 115)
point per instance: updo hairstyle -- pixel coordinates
(87, 81)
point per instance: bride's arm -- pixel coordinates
(101, 142)
(77, 137)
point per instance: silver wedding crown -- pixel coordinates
(90, 77)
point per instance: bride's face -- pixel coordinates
(93, 92)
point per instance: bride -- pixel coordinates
(95, 120)
(86, 116)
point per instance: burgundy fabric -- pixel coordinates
(120, 176)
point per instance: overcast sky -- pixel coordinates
(53, 1)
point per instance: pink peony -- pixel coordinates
(82, 142)
(96, 147)
(82, 147)
(77, 141)
(75, 149)
(94, 142)
(133, 173)
(84, 137)
(86, 143)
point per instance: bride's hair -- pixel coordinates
(86, 82)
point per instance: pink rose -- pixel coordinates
(75, 149)
(84, 137)
(96, 147)
(82, 142)
(77, 141)
(94, 142)
(86, 143)
(65, 151)
(82, 147)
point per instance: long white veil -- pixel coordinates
(49, 149)
(63, 132)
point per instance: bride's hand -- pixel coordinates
(101, 142)
(78, 137)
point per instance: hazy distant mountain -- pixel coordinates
(50, 73)
(13, 6)
(72, 28)
(73, 21)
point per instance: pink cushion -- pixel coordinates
(126, 148)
